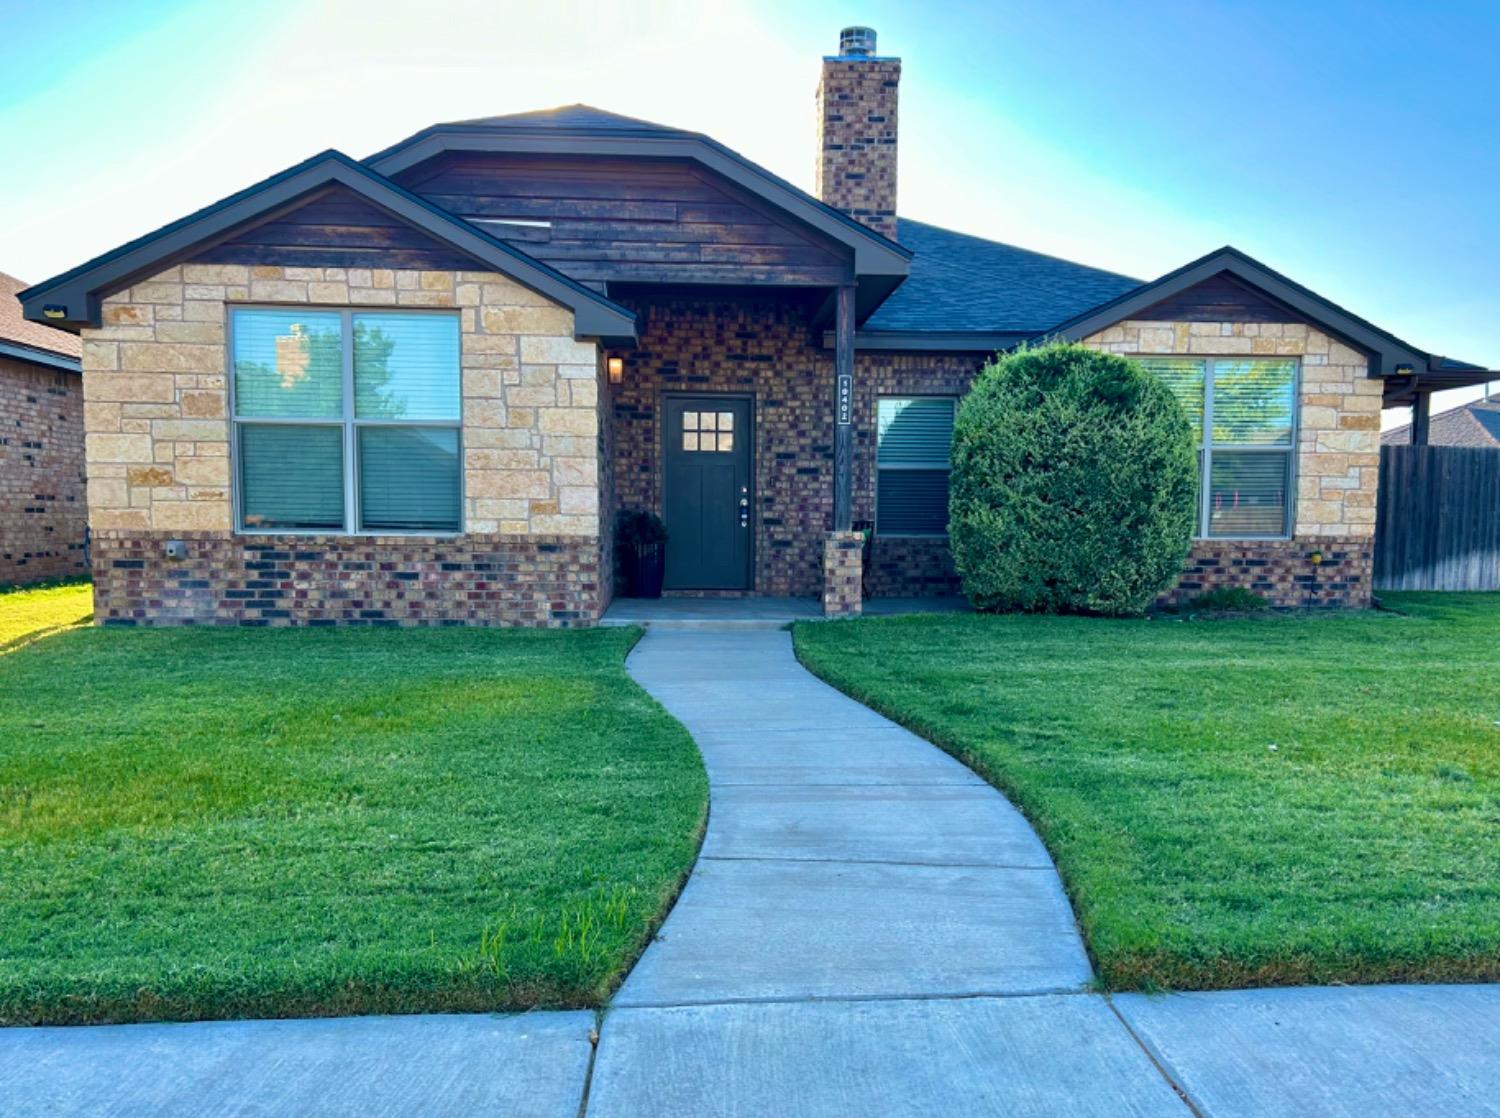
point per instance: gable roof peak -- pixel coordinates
(566, 118)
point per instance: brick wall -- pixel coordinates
(856, 108)
(43, 512)
(158, 456)
(535, 580)
(765, 348)
(1337, 463)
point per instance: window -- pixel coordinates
(708, 431)
(346, 421)
(913, 438)
(1243, 412)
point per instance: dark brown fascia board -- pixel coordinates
(1386, 352)
(19, 351)
(916, 341)
(78, 292)
(873, 254)
(1402, 390)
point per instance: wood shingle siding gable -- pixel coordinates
(337, 229)
(1220, 298)
(630, 220)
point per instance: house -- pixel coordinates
(417, 388)
(43, 516)
(1473, 424)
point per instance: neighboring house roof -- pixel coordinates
(72, 299)
(967, 285)
(31, 341)
(1389, 356)
(879, 264)
(1476, 424)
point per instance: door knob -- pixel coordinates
(744, 512)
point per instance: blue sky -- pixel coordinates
(1354, 146)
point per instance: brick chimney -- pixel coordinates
(857, 131)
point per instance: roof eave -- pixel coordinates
(1387, 353)
(72, 300)
(20, 351)
(933, 341)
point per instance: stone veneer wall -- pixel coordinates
(1337, 463)
(43, 513)
(158, 462)
(764, 348)
(856, 168)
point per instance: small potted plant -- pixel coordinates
(640, 536)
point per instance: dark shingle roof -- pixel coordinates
(570, 118)
(966, 284)
(1476, 424)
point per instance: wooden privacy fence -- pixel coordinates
(1438, 522)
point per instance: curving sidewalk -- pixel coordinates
(870, 928)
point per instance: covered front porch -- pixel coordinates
(752, 431)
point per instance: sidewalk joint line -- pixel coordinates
(1158, 1063)
(840, 999)
(870, 862)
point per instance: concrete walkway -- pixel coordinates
(870, 930)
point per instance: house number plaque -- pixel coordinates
(846, 399)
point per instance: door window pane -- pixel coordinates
(1253, 402)
(1185, 376)
(292, 477)
(406, 366)
(409, 479)
(288, 364)
(1248, 493)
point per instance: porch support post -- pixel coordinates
(1421, 415)
(843, 406)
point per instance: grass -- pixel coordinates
(1240, 802)
(229, 823)
(29, 613)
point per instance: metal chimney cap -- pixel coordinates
(857, 42)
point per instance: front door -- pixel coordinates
(706, 493)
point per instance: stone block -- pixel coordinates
(558, 351)
(102, 447)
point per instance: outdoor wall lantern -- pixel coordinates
(616, 367)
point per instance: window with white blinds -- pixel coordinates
(1243, 412)
(914, 435)
(346, 421)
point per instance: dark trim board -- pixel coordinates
(31, 354)
(78, 293)
(1385, 351)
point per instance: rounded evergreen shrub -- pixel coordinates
(1074, 484)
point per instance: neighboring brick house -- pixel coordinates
(43, 514)
(419, 388)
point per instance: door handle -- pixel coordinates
(744, 506)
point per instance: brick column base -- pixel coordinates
(843, 571)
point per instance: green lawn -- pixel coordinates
(27, 613)
(1231, 802)
(222, 823)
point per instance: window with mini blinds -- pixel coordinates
(346, 421)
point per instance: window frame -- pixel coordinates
(1205, 444)
(348, 424)
(947, 467)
